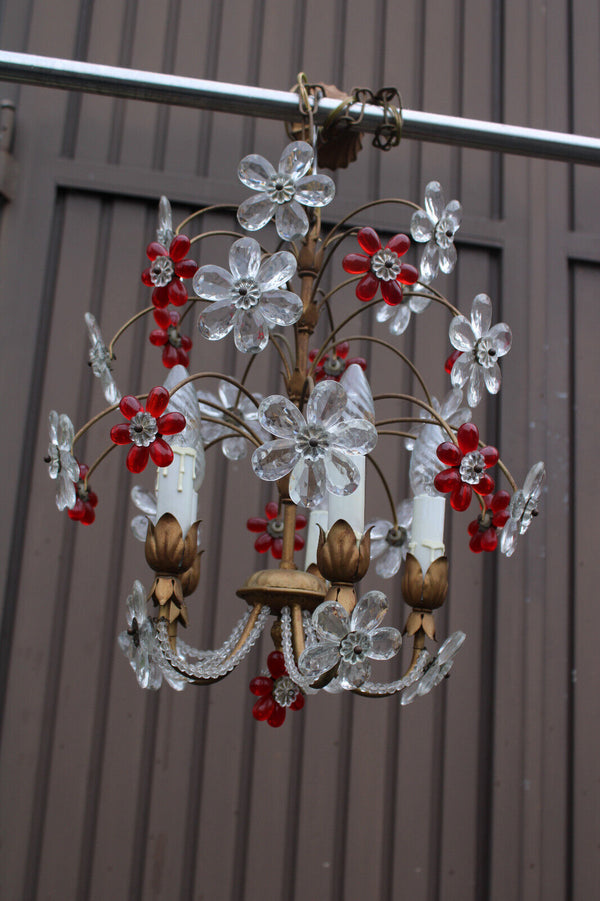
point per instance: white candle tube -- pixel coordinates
(316, 518)
(352, 507)
(175, 492)
(427, 538)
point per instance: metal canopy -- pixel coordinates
(199, 93)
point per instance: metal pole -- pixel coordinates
(177, 90)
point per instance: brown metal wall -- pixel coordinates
(486, 789)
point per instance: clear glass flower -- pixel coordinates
(389, 544)
(234, 447)
(436, 224)
(250, 298)
(350, 641)
(284, 192)
(522, 509)
(424, 462)
(165, 232)
(99, 357)
(62, 464)
(318, 450)
(437, 670)
(398, 317)
(481, 346)
(140, 646)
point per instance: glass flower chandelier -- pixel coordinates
(312, 441)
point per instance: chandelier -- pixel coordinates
(315, 441)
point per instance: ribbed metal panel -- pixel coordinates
(486, 789)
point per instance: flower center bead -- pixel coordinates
(444, 232)
(486, 353)
(161, 271)
(275, 528)
(285, 692)
(334, 366)
(280, 188)
(396, 537)
(247, 294)
(174, 336)
(313, 443)
(143, 429)
(472, 468)
(355, 647)
(99, 359)
(386, 265)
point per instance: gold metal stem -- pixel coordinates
(420, 403)
(289, 534)
(367, 206)
(98, 461)
(397, 433)
(297, 631)
(206, 209)
(331, 337)
(349, 281)
(125, 326)
(386, 487)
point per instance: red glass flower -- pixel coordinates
(167, 269)
(332, 366)
(271, 529)
(382, 267)
(452, 360)
(467, 463)
(146, 428)
(275, 692)
(83, 511)
(483, 530)
(167, 336)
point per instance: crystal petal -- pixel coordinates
(138, 601)
(331, 621)
(173, 678)
(379, 529)
(326, 404)
(447, 259)
(532, 486)
(501, 336)
(318, 659)
(492, 378)
(53, 426)
(307, 484)
(359, 403)
(389, 563)
(434, 200)
(315, 190)
(93, 329)
(276, 270)
(476, 386)
(424, 464)
(235, 448)
(352, 675)
(164, 232)
(213, 283)
(409, 694)
(250, 332)
(216, 321)
(420, 226)
(255, 171)
(65, 433)
(228, 394)
(461, 371)
(481, 316)
(384, 312)
(278, 415)
(450, 647)
(144, 500)
(281, 307)
(386, 643)
(404, 513)
(508, 538)
(417, 303)
(273, 460)
(295, 159)
(112, 395)
(356, 436)
(139, 527)
(291, 221)
(401, 319)
(378, 546)
(185, 401)
(341, 473)
(65, 492)
(254, 213)
(244, 258)
(453, 212)
(429, 265)
(369, 612)
(462, 335)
